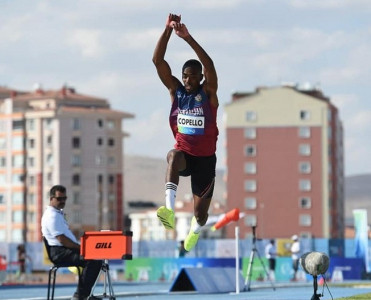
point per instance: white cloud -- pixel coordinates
(344, 101)
(12, 29)
(361, 122)
(88, 42)
(139, 39)
(336, 76)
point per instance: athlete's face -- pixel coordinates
(191, 79)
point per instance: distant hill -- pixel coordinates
(145, 181)
(357, 195)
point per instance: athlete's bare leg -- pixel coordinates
(176, 163)
(201, 208)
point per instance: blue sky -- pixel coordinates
(104, 48)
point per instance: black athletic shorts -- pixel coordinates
(202, 172)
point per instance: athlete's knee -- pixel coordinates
(173, 155)
(201, 218)
(175, 158)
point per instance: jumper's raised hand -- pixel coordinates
(181, 30)
(172, 19)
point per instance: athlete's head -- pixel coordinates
(192, 75)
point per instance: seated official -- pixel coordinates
(64, 246)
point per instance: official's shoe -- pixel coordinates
(192, 238)
(166, 217)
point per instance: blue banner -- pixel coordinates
(351, 268)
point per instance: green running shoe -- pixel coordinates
(166, 217)
(192, 238)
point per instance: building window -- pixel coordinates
(304, 149)
(3, 125)
(250, 133)
(31, 218)
(111, 197)
(31, 143)
(100, 178)
(17, 161)
(2, 200)
(31, 198)
(304, 185)
(110, 124)
(2, 143)
(17, 235)
(76, 160)
(111, 160)
(75, 179)
(75, 142)
(250, 185)
(250, 150)
(250, 168)
(2, 217)
(18, 124)
(250, 203)
(98, 160)
(111, 142)
(17, 197)
(48, 123)
(76, 124)
(304, 115)
(76, 198)
(49, 159)
(31, 180)
(111, 179)
(99, 141)
(305, 220)
(100, 123)
(250, 220)
(250, 116)
(49, 178)
(17, 216)
(30, 124)
(304, 132)
(17, 143)
(305, 202)
(17, 179)
(2, 161)
(49, 140)
(2, 179)
(305, 167)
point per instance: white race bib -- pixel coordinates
(193, 125)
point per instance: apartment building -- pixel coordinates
(50, 137)
(284, 162)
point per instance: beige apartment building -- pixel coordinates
(50, 137)
(285, 163)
